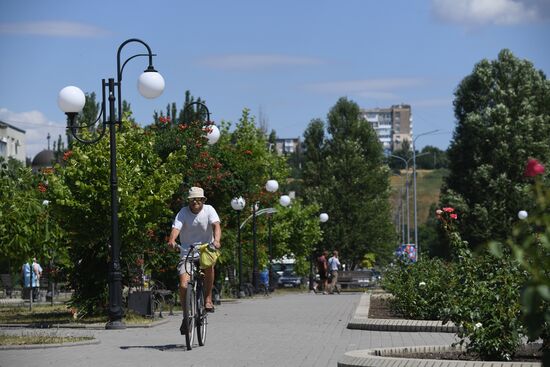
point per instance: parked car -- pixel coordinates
(289, 279)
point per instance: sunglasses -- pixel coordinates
(196, 200)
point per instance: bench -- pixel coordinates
(7, 283)
(162, 296)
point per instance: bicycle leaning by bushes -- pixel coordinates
(195, 315)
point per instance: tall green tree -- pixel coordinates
(313, 160)
(80, 198)
(26, 230)
(347, 175)
(503, 118)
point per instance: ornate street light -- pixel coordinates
(238, 204)
(271, 186)
(323, 217)
(212, 131)
(71, 100)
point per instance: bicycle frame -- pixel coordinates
(195, 315)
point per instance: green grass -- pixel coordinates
(58, 314)
(428, 185)
(40, 339)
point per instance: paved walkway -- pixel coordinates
(293, 329)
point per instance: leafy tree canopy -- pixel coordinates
(503, 118)
(346, 175)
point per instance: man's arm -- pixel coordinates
(173, 235)
(217, 234)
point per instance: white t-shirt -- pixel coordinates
(195, 227)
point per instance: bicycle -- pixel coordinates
(195, 314)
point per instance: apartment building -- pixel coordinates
(12, 142)
(393, 125)
(287, 146)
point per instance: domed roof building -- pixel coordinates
(44, 159)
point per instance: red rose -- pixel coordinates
(533, 168)
(67, 154)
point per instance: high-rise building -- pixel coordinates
(287, 146)
(393, 125)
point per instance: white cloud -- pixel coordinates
(370, 88)
(256, 61)
(52, 29)
(36, 127)
(483, 12)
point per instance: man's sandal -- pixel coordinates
(209, 307)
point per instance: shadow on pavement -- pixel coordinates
(162, 348)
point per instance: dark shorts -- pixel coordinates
(323, 276)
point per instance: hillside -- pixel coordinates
(428, 183)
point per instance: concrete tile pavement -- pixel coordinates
(290, 329)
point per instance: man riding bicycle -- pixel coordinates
(196, 223)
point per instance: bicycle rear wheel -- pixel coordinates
(189, 315)
(201, 319)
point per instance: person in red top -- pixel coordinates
(322, 269)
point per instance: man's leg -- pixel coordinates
(184, 280)
(333, 281)
(208, 284)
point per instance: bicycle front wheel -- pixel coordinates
(189, 315)
(202, 316)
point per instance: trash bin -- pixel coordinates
(141, 302)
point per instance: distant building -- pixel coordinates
(12, 142)
(45, 159)
(393, 125)
(287, 146)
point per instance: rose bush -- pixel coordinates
(419, 289)
(479, 293)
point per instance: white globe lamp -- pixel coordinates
(213, 134)
(522, 214)
(272, 186)
(150, 84)
(238, 203)
(284, 200)
(71, 99)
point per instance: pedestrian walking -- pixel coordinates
(334, 266)
(322, 269)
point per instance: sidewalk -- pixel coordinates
(283, 330)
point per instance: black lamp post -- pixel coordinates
(238, 205)
(255, 273)
(71, 100)
(323, 217)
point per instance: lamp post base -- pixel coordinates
(115, 325)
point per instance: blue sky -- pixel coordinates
(291, 60)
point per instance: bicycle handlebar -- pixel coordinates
(211, 245)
